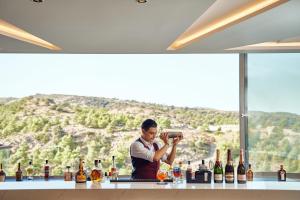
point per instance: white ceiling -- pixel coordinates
(123, 26)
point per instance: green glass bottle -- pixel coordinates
(218, 169)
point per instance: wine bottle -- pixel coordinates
(229, 169)
(241, 170)
(46, 171)
(218, 169)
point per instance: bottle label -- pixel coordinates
(229, 177)
(68, 176)
(282, 176)
(241, 177)
(218, 177)
(205, 176)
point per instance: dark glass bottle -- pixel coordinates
(203, 175)
(19, 176)
(2, 174)
(241, 170)
(281, 174)
(189, 171)
(218, 169)
(46, 171)
(229, 169)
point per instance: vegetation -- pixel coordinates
(63, 128)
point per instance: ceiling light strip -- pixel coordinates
(12, 31)
(234, 17)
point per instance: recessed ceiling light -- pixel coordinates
(38, 1)
(12, 31)
(268, 46)
(141, 1)
(198, 30)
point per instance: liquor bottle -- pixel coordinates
(80, 176)
(100, 170)
(241, 170)
(189, 171)
(249, 173)
(281, 174)
(203, 175)
(202, 166)
(170, 172)
(2, 174)
(181, 171)
(86, 171)
(229, 169)
(114, 174)
(106, 176)
(95, 174)
(68, 176)
(218, 169)
(29, 171)
(19, 176)
(46, 171)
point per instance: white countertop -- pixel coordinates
(62, 185)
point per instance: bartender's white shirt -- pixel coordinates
(138, 150)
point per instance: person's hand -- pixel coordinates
(164, 137)
(177, 140)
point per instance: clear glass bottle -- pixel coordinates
(100, 170)
(114, 173)
(95, 174)
(249, 173)
(29, 171)
(182, 172)
(68, 175)
(80, 176)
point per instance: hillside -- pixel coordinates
(62, 128)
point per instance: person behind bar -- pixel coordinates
(146, 152)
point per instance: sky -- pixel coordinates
(274, 82)
(189, 80)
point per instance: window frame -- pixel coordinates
(243, 118)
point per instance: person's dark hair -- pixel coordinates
(148, 123)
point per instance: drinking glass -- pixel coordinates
(177, 173)
(161, 176)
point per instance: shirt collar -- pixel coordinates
(149, 144)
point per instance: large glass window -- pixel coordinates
(61, 107)
(274, 111)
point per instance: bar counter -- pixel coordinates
(60, 190)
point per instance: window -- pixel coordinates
(61, 107)
(274, 111)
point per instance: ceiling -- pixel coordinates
(124, 26)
